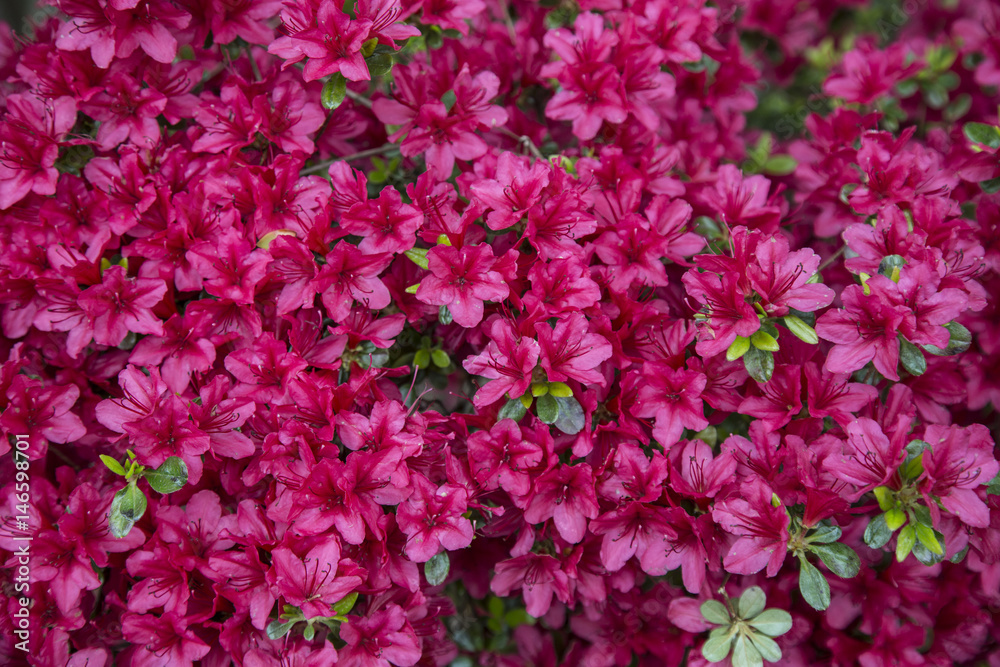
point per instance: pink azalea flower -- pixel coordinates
(432, 519)
(762, 530)
(509, 361)
(313, 577)
(462, 279)
(958, 462)
(381, 639)
(331, 40)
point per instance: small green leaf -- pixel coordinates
(762, 340)
(449, 99)
(767, 647)
(890, 266)
(309, 633)
(130, 502)
(436, 569)
(334, 91)
(759, 364)
(878, 533)
(840, 558)
(572, 418)
(990, 185)
(772, 622)
(715, 612)
(927, 537)
(981, 133)
(745, 654)
(960, 556)
(127, 507)
(547, 409)
(780, 165)
(993, 489)
(886, 498)
(440, 358)
(169, 477)
(422, 358)
(716, 647)
(738, 348)
(345, 605)
(813, 585)
(418, 256)
(801, 330)
(925, 556)
(379, 64)
(512, 409)
(911, 358)
(444, 315)
(824, 535)
(904, 543)
(113, 465)
(560, 389)
(959, 340)
(518, 617)
(751, 602)
(278, 629)
(894, 518)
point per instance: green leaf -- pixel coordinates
(981, 133)
(518, 617)
(738, 348)
(345, 605)
(877, 534)
(130, 502)
(418, 256)
(925, 556)
(513, 409)
(840, 558)
(379, 64)
(422, 358)
(436, 569)
(926, 535)
(813, 585)
(762, 340)
(169, 477)
(780, 165)
(894, 518)
(801, 330)
(334, 91)
(449, 99)
(904, 543)
(759, 364)
(745, 654)
(444, 315)
(309, 633)
(716, 647)
(994, 486)
(772, 622)
(824, 535)
(440, 358)
(890, 266)
(767, 647)
(547, 409)
(991, 185)
(278, 629)
(911, 357)
(959, 340)
(715, 612)
(113, 465)
(751, 602)
(572, 418)
(960, 556)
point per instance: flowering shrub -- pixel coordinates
(500, 332)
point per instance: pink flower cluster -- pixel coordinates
(500, 332)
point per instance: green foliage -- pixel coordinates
(746, 628)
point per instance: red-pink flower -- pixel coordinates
(762, 530)
(313, 577)
(462, 279)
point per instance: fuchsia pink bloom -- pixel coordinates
(388, 333)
